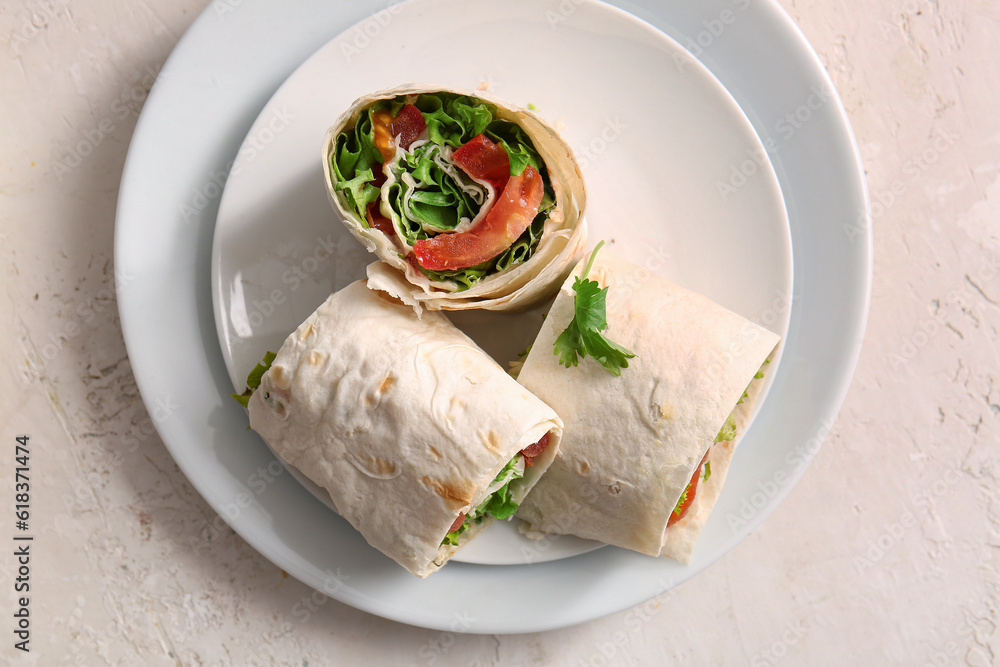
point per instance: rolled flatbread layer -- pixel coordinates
(404, 421)
(520, 285)
(631, 443)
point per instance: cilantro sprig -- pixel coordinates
(583, 335)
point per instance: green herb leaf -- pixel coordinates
(728, 430)
(583, 335)
(452, 537)
(500, 504)
(707, 472)
(253, 380)
(681, 500)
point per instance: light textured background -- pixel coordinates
(887, 551)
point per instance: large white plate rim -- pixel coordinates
(163, 279)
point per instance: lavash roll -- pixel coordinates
(519, 286)
(632, 443)
(404, 421)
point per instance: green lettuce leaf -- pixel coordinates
(454, 119)
(520, 150)
(499, 504)
(253, 380)
(354, 156)
(728, 430)
(437, 201)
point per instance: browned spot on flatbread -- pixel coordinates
(387, 383)
(457, 495)
(584, 467)
(383, 467)
(492, 441)
(375, 467)
(279, 378)
(307, 331)
(435, 452)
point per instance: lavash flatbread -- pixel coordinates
(521, 285)
(404, 421)
(631, 443)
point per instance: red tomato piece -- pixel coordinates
(532, 452)
(690, 491)
(458, 523)
(481, 158)
(378, 221)
(511, 214)
(408, 125)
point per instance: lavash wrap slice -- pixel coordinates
(631, 443)
(561, 245)
(404, 421)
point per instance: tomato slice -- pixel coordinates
(458, 523)
(399, 131)
(511, 214)
(390, 132)
(689, 493)
(532, 452)
(378, 221)
(481, 158)
(408, 125)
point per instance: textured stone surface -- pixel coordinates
(885, 553)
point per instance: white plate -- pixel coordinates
(206, 98)
(652, 150)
